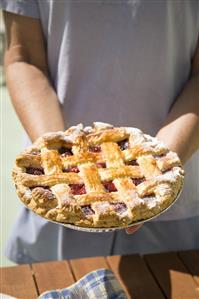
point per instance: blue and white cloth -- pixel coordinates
(99, 284)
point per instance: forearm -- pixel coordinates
(34, 99)
(180, 131)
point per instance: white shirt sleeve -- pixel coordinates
(27, 8)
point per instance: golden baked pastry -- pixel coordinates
(99, 176)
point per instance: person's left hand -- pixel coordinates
(133, 229)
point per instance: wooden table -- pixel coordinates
(154, 276)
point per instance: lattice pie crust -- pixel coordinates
(99, 176)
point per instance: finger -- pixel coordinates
(133, 229)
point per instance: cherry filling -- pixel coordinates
(34, 170)
(65, 151)
(138, 181)
(35, 153)
(119, 207)
(72, 169)
(159, 156)
(133, 163)
(87, 210)
(42, 187)
(149, 196)
(124, 144)
(101, 165)
(78, 189)
(110, 187)
(95, 149)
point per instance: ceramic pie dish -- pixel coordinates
(99, 177)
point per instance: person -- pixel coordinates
(128, 63)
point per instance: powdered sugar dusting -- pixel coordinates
(75, 132)
(171, 175)
(154, 142)
(102, 126)
(63, 195)
(88, 129)
(28, 194)
(133, 199)
(136, 136)
(151, 201)
(102, 207)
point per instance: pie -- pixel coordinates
(99, 176)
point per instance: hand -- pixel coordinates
(133, 229)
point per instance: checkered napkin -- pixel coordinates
(99, 284)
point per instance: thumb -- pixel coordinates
(133, 229)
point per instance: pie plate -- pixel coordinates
(112, 229)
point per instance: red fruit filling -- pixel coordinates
(110, 187)
(35, 171)
(78, 189)
(124, 144)
(159, 156)
(149, 196)
(119, 207)
(133, 163)
(87, 210)
(72, 169)
(42, 187)
(65, 151)
(35, 153)
(95, 149)
(101, 165)
(138, 181)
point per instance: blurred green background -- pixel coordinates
(11, 143)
